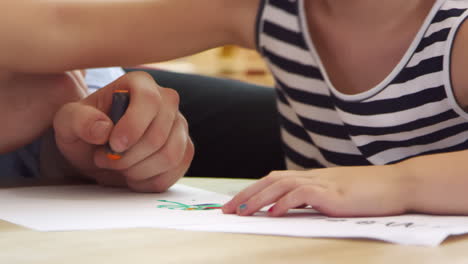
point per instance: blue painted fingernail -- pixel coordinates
(242, 207)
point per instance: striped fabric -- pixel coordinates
(412, 112)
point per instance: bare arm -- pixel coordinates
(440, 182)
(28, 103)
(58, 35)
(436, 184)
(459, 66)
(54, 36)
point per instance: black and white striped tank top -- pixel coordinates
(412, 112)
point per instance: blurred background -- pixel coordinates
(227, 62)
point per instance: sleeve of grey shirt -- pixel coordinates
(23, 162)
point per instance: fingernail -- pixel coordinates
(121, 144)
(242, 207)
(223, 209)
(100, 128)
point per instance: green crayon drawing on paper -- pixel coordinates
(187, 207)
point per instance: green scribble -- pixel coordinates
(187, 207)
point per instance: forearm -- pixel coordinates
(31, 100)
(438, 183)
(58, 35)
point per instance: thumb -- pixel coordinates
(76, 122)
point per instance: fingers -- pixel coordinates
(232, 206)
(145, 104)
(286, 190)
(164, 159)
(336, 192)
(144, 107)
(152, 134)
(307, 194)
(269, 195)
(175, 156)
(75, 122)
(159, 170)
(155, 136)
(163, 181)
(78, 128)
(285, 194)
(167, 158)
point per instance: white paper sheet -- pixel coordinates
(60, 208)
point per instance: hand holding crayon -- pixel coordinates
(92, 135)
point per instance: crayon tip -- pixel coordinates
(120, 91)
(113, 156)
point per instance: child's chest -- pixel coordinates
(357, 64)
(357, 59)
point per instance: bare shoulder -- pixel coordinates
(459, 66)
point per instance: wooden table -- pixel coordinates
(155, 246)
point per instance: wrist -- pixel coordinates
(407, 182)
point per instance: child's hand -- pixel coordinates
(152, 134)
(341, 191)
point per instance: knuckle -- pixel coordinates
(171, 95)
(64, 114)
(276, 175)
(152, 95)
(145, 84)
(272, 177)
(257, 200)
(287, 183)
(129, 175)
(137, 76)
(183, 120)
(122, 165)
(291, 199)
(157, 138)
(173, 156)
(65, 118)
(157, 186)
(174, 153)
(187, 159)
(303, 191)
(267, 180)
(190, 150)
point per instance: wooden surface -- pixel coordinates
(139, 245)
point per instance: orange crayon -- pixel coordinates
(120, 101)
